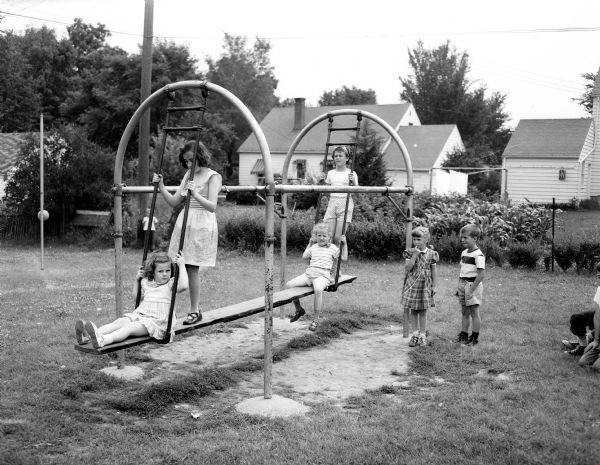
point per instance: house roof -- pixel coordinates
(9, 150)
(548, 138)
(424, 145)
(278, 127)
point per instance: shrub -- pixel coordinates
(376, 240)
(587, 256)
(448, 247)
(524, 254)
(245, 232)
(493, 251)
(564, 254)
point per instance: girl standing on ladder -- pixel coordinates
(201, 236)
(334, 216)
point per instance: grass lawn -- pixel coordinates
(513, 399)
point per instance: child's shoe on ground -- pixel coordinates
(422, 339)
(462, 338)
(577, 351)
(299, 314)
(95, 336)
(414, 340)
(569, 345)
(472, 341)
(80, 333)
(313, 326)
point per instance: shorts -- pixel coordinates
(318, 279)
(476, 296)
(336, 208)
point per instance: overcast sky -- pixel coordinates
(534, 52)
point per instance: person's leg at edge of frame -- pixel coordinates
(591, 358)
(194, 272)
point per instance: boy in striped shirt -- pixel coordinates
(321, 253)
(470, 287)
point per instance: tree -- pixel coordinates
(247, 73)
(78, 175)
(368, 162)
(442, 94)
(585, 100)
(348, 96)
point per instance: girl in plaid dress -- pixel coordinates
(419, 283)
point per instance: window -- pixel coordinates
(300, 169)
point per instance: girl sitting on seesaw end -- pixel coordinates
(321, 253)
(151, 317)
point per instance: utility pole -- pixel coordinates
(145, 87)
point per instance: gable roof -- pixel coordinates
(278, 127)
(9, 150)
(424, 145)
(548, 138)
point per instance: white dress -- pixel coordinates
(201, 232)
(153, 311)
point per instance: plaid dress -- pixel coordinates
(416, 293)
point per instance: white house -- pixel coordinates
(428, 145)
(554, 158)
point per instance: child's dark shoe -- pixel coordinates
(414, 341)
(80, 333)
(462, 338)
(299, 314)
(313, 326)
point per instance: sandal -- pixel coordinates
(193, 318)
(313, 326)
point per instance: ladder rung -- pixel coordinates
(193, 108)
(329, 144)
(344, 129)
(182, 128)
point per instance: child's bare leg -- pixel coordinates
(134, 328)
(475, 318)
(194, 283)
(423, 321)
(296, 282)
(466, 318)
(414, 320)
(319, 285)
(114, 326)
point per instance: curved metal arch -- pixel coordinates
(269, 204)
(286, 164)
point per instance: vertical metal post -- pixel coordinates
(41, 215)
(269, 246)
(553, 216)
(145, 87)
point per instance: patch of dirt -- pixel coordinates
(346, 366)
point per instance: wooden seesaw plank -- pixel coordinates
(219, 315)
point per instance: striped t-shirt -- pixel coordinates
(470, 262)
(322, 257)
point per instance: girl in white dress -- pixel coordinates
(201, 232)
(334, 216)
(152, 315)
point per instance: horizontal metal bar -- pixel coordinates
(287, 188)
(343, 129)
(182, 128)
(224, 189)
(328, 144)
(192, 108)
(303, 188)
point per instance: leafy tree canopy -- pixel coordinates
(585, 100)
(442, 94)
(348, 96)
(369, 164)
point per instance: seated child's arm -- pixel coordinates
(182, 281)
(307, 254)
(138, 278)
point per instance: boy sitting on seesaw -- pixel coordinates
(321, 253)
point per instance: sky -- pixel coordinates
(533, 52)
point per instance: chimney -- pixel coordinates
(299, 111)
